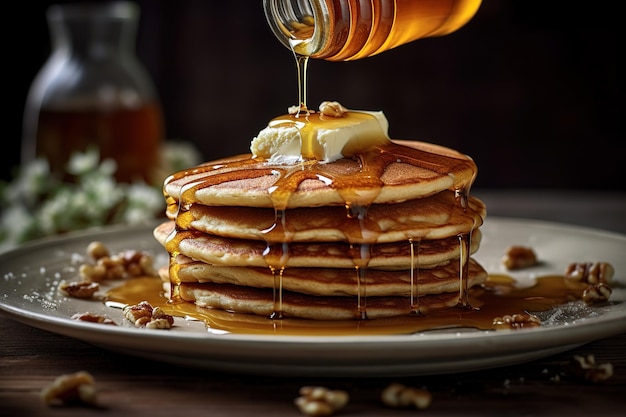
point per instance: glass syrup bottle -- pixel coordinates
(93, 91)
(343, 30)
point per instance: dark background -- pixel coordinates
(528, 88)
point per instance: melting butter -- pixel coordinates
(296, 137)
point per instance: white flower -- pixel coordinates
(180, 155)
(33, 180)
(37, 204)
(15, 223)
(82, 162)
(52, 212)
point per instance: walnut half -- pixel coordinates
(587, 368)
(73, 388)
(332, 109)
(518, 257)
(591, 273)
(78, 289)
(598, 293)
(320, 401)
(397, 395)
(516, 321)
(92, 318)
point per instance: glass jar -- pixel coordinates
(93, 92)
(342, 30)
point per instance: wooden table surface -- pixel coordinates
(129, 386)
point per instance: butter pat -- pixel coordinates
(277, 142)
(297, 137)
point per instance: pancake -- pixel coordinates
(262, 302)
(396, 172)
(332, 281)
(216, 250)
(432, 217)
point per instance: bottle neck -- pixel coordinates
(93, 31)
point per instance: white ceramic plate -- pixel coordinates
(31, 273)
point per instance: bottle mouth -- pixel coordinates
(299, 24)
(92, 11)
(334, 30)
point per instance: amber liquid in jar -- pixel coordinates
(93, 92)
(342, 30)
(132, 136)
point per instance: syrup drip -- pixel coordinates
(278, 293)
(464, 248)
(414, 299)
(302, 64)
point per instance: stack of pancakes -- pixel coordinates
(388, 232)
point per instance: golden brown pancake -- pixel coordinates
(399, 171)
(216, 250)
(434, 217)
(262, 302)
(332, 281)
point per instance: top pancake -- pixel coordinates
(395, 172)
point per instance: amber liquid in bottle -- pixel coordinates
(132, 136)
(342, 30)
(93, 92)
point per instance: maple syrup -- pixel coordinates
(131, 136)
(497, 297)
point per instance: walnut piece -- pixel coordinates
(397, 395)
(518, 257)
(320, 401)
(594, 278)
(332, 109)
(78, 387)
(598, 293)
(125, 264)
(75, 289)
(591, 273)
(97, 250)
(516, 321)
(586, 367)
(93, 318)
(160, 320)
(144, 315)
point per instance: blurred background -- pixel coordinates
(529, 88)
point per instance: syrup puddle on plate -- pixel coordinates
(549, 298)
